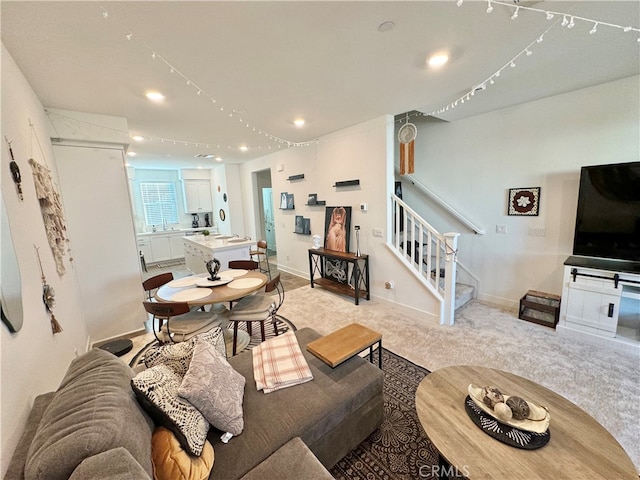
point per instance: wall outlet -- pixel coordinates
(502, 229)
(364, 207)
(389, 285)
(377, 232)
(538, 231)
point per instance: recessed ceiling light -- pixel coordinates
(138, 138)
(218, 159)
(154, 96)
(299, 122)
(131, 154)
(386, 26)
(438, 60)
(244, 148)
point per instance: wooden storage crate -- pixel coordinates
(541, 308)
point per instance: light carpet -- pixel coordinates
(600, 380)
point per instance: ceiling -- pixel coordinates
(239, 73)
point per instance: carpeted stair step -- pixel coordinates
(464, 294)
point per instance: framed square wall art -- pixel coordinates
(283, 201)
(524, 201)
(286, 201)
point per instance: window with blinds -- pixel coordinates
(159, 203)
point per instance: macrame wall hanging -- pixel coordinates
(406, 137)
(51, 208)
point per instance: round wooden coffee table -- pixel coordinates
(579, 446)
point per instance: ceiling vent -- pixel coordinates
(204, 155)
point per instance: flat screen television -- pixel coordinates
(608, 215)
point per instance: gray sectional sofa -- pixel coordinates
(305, 428)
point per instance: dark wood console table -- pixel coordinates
(359, 272)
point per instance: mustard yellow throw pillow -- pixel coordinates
(172, 462)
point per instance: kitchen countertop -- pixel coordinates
(218, 242)
(185, 231)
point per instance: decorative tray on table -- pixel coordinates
(509, 419)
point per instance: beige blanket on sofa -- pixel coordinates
(279, 363)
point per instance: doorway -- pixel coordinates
(269, 222)
(265, 212)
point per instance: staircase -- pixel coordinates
(432, 258)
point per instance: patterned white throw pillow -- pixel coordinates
(157, 391)
(177, 356)
(215, 389)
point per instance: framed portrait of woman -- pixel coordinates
(337, 233)
(337, 228)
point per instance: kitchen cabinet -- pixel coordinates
(161, 248)
(197, 196)
(177, 246)
(144, 246)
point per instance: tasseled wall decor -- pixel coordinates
(407, 158)
(15, 170)
(406, 137)
(48, 297)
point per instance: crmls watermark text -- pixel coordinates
(446, 471)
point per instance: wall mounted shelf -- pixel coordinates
(347, 183)
(296, 177)
(318, 203)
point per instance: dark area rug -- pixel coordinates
(399, 449)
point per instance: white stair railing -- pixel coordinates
(429, 254)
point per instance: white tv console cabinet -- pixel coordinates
(601, 300)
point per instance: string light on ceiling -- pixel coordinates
(527, 51)
(568, 21)
(203, 93)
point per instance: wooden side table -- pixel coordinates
(345, 343)
(359, 270)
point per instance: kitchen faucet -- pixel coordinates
(164, 224)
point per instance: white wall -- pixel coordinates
(473, 162)
(363, 152)
(33, 360)
(225, 180)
